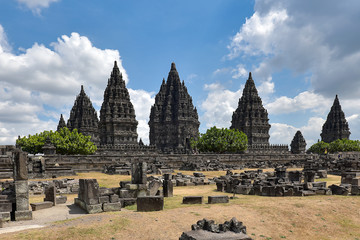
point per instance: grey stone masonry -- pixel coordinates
(192, 200)
(117, 115)
(218, 199)
(173, 118)
(61, 123)
(298, 144)
(167, 186)
(50, 194)
(148, 204)
(138, 173)
(336, 126)
(83, 117)
(251, 117)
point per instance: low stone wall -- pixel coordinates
(62, 165)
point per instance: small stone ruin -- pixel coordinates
(207, 230)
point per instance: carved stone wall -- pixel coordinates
(251, 117)
(336, 126)
(173, 118)
(117, 115)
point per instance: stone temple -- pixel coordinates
(173, 118)
(251, 117)
(336, 126)
(83, 117)
(298, 144)
(61, 123)
(117, 115)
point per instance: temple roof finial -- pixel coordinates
(250, 75)
(173, 67)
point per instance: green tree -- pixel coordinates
(65, 141)
(339, 145)
(221, 140)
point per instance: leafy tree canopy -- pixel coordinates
(339, 145)
(65, 141)
(221, 140)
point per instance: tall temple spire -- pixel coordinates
(173, 118)
(117, 115)
(336, 126)
(298, 144)
(251, 117)
(83, 117)
(61, 123)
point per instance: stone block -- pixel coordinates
(110, 207)
(106, 191)
(114, 198)
(50, 194)
(23, 215)
(180, 182)
(93, 208)
(104, 199)
(138, 173)
(268, 191)
(124, 193)
(192, 200)
(168, 187)
(339, 190)
(279, 191)
(89, 191)
(355, 190)
(21, 187)
(308, 193)
(242, 189)
(61, 199)
(198, 174)
(41, 205)
(127, 201)
(319, 184)
(5, 216)
(207, 235)
(218, 199)
(154, 187)
(189, 184)
(147, 204)
(123, 184)
(355, 182)
(6, 207)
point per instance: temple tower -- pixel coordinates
(173, 118)
(298, 143)
(336, 126)
(61, 123)
(117, 115)
(251, 117)
(83, 117)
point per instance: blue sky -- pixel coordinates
(301, 54)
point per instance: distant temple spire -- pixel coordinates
(251, 117)
(61, 123)
(117, 115)
(298, 144)
(336, 126)
(173, 118)
(83, 117)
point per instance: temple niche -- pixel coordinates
(336, 126)
(83, 117)
(117, 115)
(298, 144)
(173, 118)
(251, 117)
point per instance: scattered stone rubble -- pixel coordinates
(207, 230)
(207, 165)
(155, 167)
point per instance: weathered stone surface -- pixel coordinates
(104, 199)
(5, 206)
(110, 207)
(117, 115)
(167, 186)
(89, 191)
(154, 187)
(20, 165)
(114, 198)
(22, 195)
(50, 194)
(93, 208)
(298, 144)
(218, 199)
(138, 173)
(23, 215)
(61, 123)
(5, 216)
(127, 201)
(173, 118)
(336, 126)
(147, 204)
(251, 117)
(192, 200)
(83, 117)
(41, 205)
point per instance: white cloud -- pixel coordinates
(36, 5)
(219, 105)
(281, 133)
(304, 101)
(42, 82)
(239, 71)
(305, 37)
(142, 102)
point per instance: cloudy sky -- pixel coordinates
(301, 54)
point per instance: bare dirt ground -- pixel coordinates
(316, 217)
